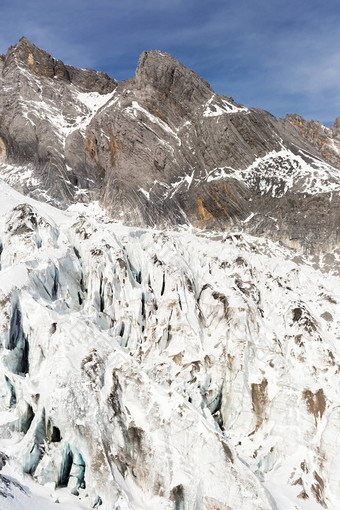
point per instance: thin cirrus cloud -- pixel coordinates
(280, 55)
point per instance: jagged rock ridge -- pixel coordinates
(161, 149)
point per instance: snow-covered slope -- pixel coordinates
(28, 495)
(146, 369)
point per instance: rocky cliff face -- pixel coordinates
(160, 149)
(189, 367)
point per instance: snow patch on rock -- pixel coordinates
(280, 172)
(212, 109)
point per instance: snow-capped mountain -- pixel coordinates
(160, 149)
(170, 333)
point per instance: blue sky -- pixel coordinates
(280, 55)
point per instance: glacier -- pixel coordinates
(158, 369)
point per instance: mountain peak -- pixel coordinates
(25, 41)
(165, 150)
(38, 60)
(169, 76)
(25, 46)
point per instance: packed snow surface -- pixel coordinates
(146, 369)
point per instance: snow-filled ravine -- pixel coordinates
(145, 369)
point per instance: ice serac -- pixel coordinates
(161, 149)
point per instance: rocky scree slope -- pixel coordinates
(146, 369)
(161, 149)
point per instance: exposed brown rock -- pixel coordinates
(228, 452)
(204, 213)
(318, 488)
(316, 403)
(177, 495)
(303, 495)
(259, 400)
(213, 504)
(327, 316)
(3, 150)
